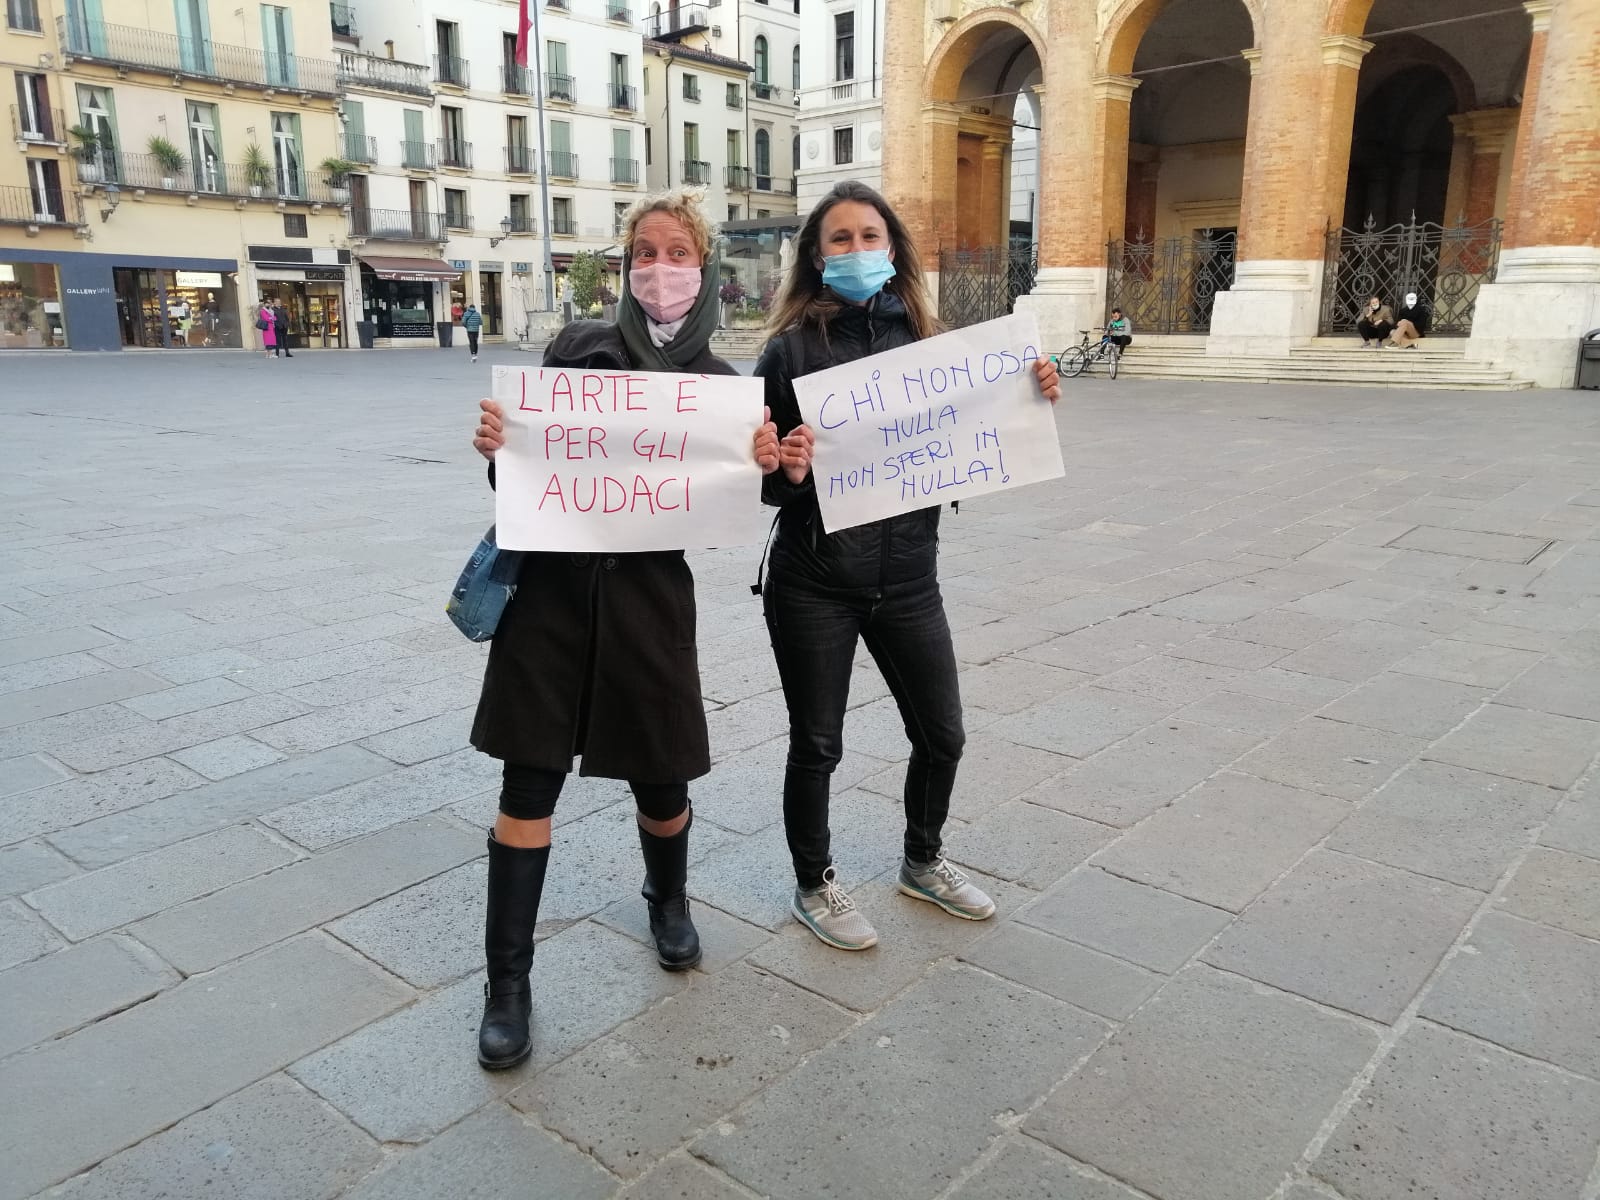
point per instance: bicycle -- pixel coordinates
(1076, 360)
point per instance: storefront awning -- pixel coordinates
(425, 270)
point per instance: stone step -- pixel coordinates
(1273, 371)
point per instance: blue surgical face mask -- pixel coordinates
(859, 275)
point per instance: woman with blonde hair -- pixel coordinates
(595, 654)
(856, 289)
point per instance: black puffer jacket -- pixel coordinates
(870, 558)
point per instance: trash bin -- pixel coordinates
(365, 332)
(1588, 361)
(446, 330)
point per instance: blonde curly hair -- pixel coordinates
(683, 203)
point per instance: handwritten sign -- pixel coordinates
(599, 461)
(949, 418)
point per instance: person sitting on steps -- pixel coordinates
(1374, 323)
(1119, 331)
(1411, 323)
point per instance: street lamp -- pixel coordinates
(505, 232)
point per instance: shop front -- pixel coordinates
(490, 302)
(310, 284)
(31, 316)
(55, 300)
(400, 297)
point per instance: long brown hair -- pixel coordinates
(803, 300)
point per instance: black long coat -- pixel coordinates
(595, 654)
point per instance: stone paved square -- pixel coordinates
(1281, 767)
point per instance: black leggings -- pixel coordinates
(530, 794)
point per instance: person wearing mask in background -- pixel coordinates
(280, 320)
(1374, 323)
(1410, 324)
(472, 322)
(855, 289)
(1119, 330)
(595, 653)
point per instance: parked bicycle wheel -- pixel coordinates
(1072, 362)
(1113, 357)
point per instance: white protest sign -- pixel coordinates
(948, 418)
(599, 461)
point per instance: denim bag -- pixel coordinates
(485, 587)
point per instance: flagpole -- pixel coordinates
(532, 7)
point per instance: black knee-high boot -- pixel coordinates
(666, 873)
(516, 881)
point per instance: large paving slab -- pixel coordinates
(118, 1081)
(1211, 1091)
(1447, 1116)
(891, 1130)
(62, 991)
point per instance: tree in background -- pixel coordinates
(584, 278)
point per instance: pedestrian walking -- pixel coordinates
(267, 325)
(280, 318)
(595, 654)
(472, 322)
(856, 288)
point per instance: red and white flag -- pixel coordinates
(524, 23)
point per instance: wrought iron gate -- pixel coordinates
(1444, 266)
(982, 284)
(1171, 285)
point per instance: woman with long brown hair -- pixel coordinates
(855, 289)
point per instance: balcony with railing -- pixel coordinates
(565, 226)
(624, 97)
(619, 13)
(39, 206)
(450, 70)
(417, 156)
(518, 223)
(213, 178)
(563, 164)
(515, 80)
(360, 147)
(625, 170)
(696, 172)
(520, 160)
(736, 178)
(197, 58)
(559, 87)
(457, 218)
(24, 15)
(680, 21)
(383, 74)
(343, 19)
(763, 90)
(41, 126)
(397, 225)
(453, 152)
(771, 183)
(735, 98)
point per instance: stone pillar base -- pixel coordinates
(1272, 307)
(1063, 301)
(1528, 321)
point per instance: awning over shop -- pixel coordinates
(424, 270)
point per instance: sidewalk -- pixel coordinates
(1282, 723)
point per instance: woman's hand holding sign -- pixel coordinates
(795, 451)
(767, 452)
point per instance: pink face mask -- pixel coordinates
(666, 293)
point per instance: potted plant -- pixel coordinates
(86, 149)
(257, 170)
(338, 170)
(169, 158)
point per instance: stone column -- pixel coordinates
(992, 215)
(1069, 291)
(1293, 185)
(1550, 256)
(1488, 134)
(904, 164)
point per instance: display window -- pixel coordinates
(316, 312)
(30, 307)
(177, 308)
(398, 308)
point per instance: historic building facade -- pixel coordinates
(1249, 170)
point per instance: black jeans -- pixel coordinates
(814, 638)
(530, 794)
(1373, 331)
(472, 341)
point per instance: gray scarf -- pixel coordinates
(693, 339)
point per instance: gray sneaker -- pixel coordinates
(832, 915)
(942, 884)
